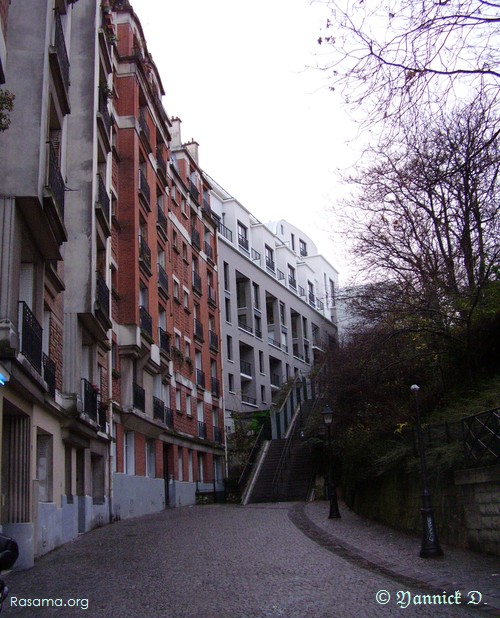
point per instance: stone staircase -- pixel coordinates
(263, 487)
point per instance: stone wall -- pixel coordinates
(481, 494)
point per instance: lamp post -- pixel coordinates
(430, 544)
(334, 507)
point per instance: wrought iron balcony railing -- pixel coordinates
(104, 110)
(102, 295)
(55, 181)
(209, 251)
(197, 282)
(143, 124)
(160, 162)
(212, 295)
(195, 238)
(218, 435)
(61, 52)
(31, 337)
(158, 409)
(198, 329)
(202, 430)
(89, 399)
(243, 242)
(49, 375)
(225, 231)
(248, 399)
(146, 321)
(245, 368)
(169, 418)
(164, 341)
(213, 340)
(139, 397)
(270, 264)
(162, 221)
(200, 378)
(144, 186)
(103, 197)
(206, 204)
(162, 280)
(193, 189)
(481, 437)
(144, 252)
(215, 386)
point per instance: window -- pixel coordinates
(302, 248)
(175, 241)
(292, 238)
(189, 410)
(190, 466)
(229, 342)
(269, 253)
(150, 458)
(180, 467)
(97, 469)
(201, 460)
(44, 466)
(178, 401)
(256, 296)
(242, 236)
(228, 310)
(185, 252)
(176, 291)
(261, 361)
(332, 293)
(263, 394)
(128, 453)
(282, 313)
(230, 379)
(226, 276)
(292, 281)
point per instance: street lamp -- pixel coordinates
(430, 544)
(334, 507)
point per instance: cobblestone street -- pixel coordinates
(210, 561)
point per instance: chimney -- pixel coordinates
(192, 148)
(176, 132)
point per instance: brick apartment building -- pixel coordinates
(110, 404)
(168, 416)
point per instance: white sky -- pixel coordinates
(270, 131)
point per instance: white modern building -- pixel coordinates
(277, 307)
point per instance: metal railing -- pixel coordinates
(197, 282)
(263, 434)
(144, 252)
(169, 418)
(143, 124)
(49, 375)
(481, 437)
(55, 181)
(198, 329)
(215, 387)
(89, 399)
(196, 238)
(213, 340)
(225, 231)
(158, 409)
(139, 397)
(243, 242)
(31, 337)
(103, 197)
(104, 111)
(200, 378)
(146, 321)
(202, 430)
(61, 52)
(193, 190)
(245, 368)
(164, 341)
(102, 295)
(144, 186)
(161, 219)
(162, 279)
(160, 162)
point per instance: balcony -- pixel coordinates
(144, 254)
(312, 301)
(202, 430)
(139, 397)
(158, 409)
(213, 340)
(169, 418)
(59, 62)
(49, 375)
(193, 190)
(209, 252)
(245, 368)
(160, 163)
(225, 231)
(270, 265)
(243, 243)
(292, 282)
(197, 283)
(212, 296)
(104, 117)
(200, 378)
(275, 380)
(55, 181)
(242, 323)
(198, 329)
(31, 337)
(103, 205)
(161, 222)
(89, 400)
(102, 304)
(144, 191)
(164, 342)
(248, 399)
(206, 204)
(195, 239)
(218, 435)
(256, 256)
(162, 281)
(144, 129)
(215, 387)
(146, 322)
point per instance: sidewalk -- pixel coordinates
(396, 554)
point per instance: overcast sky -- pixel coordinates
(270, 131)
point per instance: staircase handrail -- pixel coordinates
(252, 455)
(278, 475)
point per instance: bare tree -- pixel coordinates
(387, 57)
(424, 219)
